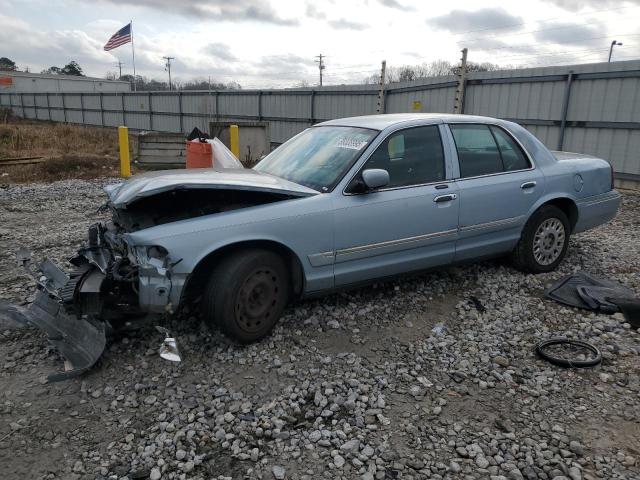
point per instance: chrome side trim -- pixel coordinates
(607, 197)
(321, 259)
(496, 223)
(389, 246)
(407, 243)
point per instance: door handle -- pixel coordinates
(526, 185)
(445, 198)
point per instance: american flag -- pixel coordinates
(119, 38)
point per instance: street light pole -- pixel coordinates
(613, 44)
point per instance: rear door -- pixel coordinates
(498, 185)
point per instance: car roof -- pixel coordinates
(380, 122)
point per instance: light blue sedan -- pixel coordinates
(343, 203)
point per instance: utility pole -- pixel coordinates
(167, 67)
(461, 81)
(321, 66)
(119, 65)
(383, 70)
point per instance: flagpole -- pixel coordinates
(133, 57)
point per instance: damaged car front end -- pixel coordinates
(111, 282)
(119, 274)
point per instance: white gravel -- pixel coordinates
(399, 380)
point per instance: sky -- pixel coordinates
(274, 43)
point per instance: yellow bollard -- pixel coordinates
(234, 140)
(125, 162)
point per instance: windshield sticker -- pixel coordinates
(352, 142)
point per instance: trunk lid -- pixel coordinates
(560, 155)
(151, 183)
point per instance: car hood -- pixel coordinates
(151, 183)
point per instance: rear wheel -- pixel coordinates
(246, 294)
(544, 241)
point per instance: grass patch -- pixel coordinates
(70, 151)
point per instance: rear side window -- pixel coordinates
(513, 157)
(483, 150)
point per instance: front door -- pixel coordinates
(408, 225)
(498, 186)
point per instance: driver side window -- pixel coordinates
(412, 157)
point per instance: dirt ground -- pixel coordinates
(355, 385)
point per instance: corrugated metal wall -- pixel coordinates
(593, 108)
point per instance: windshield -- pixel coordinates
(318, 157)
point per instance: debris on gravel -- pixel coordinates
(430, 377)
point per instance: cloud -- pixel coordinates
(283, 63)
(577, 5)
(343, 24)
(220, 51)
(570, 33)
(225, 10)
(313, 12)
(29, 46)
(396, 4)
(500, 47)
(462, 20)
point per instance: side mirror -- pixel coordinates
(375, 178)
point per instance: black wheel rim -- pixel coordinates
(570, 353)
(257, 300)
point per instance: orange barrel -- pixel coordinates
(199, 155)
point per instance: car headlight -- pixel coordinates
(151, 255)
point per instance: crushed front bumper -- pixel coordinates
(80, 340)
(111, 283)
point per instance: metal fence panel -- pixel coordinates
(113, 119)
(440, 100)
(238, 105)
(136, 102)
(112, 102)
(91, 102)
(166, 123)
(593, 108)
(287, 105)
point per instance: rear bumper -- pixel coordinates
(597, 210)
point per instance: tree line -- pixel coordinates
(438, 68)
(404, 73)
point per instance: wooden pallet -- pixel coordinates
(21, 161)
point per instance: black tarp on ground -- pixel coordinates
(582, 290)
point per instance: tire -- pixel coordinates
(544, 241)
(541, 349)
(246, 294)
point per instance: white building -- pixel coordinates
(24, 82)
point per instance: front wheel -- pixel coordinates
(246, 294)
(544, 241)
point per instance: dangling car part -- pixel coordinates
(81, 342)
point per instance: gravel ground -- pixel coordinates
(399, 380)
